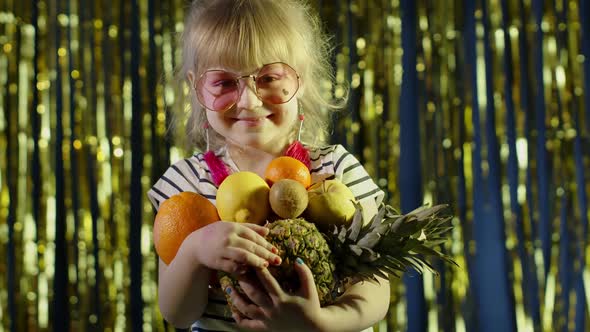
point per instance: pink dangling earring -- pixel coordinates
(296, 149)
(218, 169)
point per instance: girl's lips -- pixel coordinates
(252, 121)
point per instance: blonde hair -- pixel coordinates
(247, 34)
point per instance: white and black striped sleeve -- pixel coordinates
(350, 171)
(184, 175)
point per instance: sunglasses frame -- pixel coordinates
(254, 77)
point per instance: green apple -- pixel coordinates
(330, 202)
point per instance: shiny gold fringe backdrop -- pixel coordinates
(83, 136)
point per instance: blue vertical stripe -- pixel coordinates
(470, 77)
(495, 230)
(531, 288)
(410, 164)
(565, 262)
(512, 171)
(579, 148)
(467, 306)
(580, 318)
(585, 36)
(496, 307)
(543, 171)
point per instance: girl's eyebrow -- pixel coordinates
(220, 69)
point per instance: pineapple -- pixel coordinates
(299, 238)
(388, 245)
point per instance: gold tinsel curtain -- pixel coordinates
(482, 104)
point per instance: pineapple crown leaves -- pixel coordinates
(391, 243)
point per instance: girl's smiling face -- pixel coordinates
(252, 122)
(245, 38)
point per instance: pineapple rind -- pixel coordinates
(298, 238)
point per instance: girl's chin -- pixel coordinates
(253, 142)
(259, 142)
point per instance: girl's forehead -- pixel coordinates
(244, 52)
(241, 66)
(242, 56)
(263, 32)
(234, 69)
(242, 70)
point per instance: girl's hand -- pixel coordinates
(272, 309)
(231, 247)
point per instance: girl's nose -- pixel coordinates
(247, 98)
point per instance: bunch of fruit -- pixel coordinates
(323, 225)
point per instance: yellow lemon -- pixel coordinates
(243, 197)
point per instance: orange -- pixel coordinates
(177, 217)
(287, 168)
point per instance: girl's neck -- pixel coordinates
(253, 159)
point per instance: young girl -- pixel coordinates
(256, 69)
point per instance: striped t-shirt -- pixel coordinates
(192, 174)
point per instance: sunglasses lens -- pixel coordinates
(276, 83)
(218, 90)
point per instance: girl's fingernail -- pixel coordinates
(277, 260)
(265, 265)
(299, 261)
(274, 250)
(228, 290)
